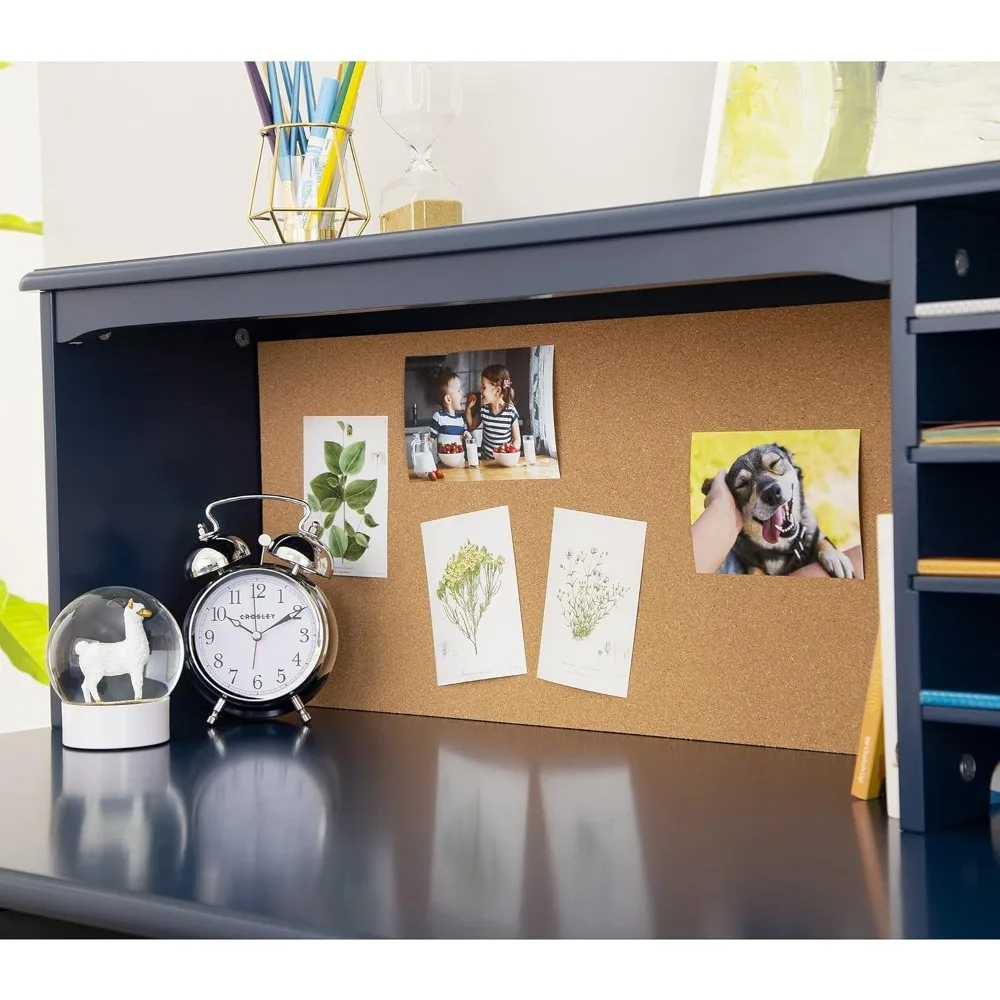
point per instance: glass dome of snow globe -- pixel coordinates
(113, 656)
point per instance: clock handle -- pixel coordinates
(203, 534)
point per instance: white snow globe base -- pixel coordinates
(124, 726)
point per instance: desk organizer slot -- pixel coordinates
(957, 508)
(958, 642)
(956, 377)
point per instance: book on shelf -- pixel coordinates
(983, 432)
(887, 636)
(950, 566)
(960, 699)
(956, 307)
(869, 761)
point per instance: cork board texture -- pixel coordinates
(767, 660)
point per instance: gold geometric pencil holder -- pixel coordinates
(319, 195)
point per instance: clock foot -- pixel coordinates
(300, 708)
(215, 711)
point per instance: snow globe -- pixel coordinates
(113, 656)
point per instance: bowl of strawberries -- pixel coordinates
(506, 454)
(451, 453)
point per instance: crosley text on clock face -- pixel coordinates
(256, 634)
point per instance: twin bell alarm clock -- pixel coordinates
(261, 638)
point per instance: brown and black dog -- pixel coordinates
(780, 533)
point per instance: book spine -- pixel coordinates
(961, 699)
(887, 636)
(869, 761)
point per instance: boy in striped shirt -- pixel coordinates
(447, 421)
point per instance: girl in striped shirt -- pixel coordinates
(497, 413)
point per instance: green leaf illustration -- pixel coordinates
(328, 520)
(359, 494)
(24, 628)
(356, 550)
(324, 486)
(331, 454)
(313, 502)
(338, 540)
(370, 521)
(350, 431)
(352, 458)
(340, 424)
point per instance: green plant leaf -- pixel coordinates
(352, 458)
(331, 505)
(370, 521)
(359, 494)
(350, 431)
(24, 629)
(331, 455)
(324, 486)
(355, 550)
(328, 520)
(340, 424)
(338, 540)
(313, 502)
(14, 223)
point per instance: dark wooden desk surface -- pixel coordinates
(378, 825)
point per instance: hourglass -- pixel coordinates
(418, 101)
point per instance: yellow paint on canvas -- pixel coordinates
(829, 460)
(775, 125)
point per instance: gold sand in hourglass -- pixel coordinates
(422, 214)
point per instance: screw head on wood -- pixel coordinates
(242, 337)
(967, 767)
(961, 262)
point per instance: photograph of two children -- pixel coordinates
(479, 416)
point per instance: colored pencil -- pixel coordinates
(260, 96)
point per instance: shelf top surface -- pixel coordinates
(970, 182)
(376, 825)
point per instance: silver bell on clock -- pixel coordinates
(261, 639)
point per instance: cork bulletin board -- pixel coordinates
(766, 660)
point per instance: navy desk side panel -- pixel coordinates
(143, 431)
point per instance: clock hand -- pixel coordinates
(281, 621)
(253, 635)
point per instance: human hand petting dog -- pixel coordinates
(715, 531)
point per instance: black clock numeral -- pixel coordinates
(297, 659)
(234, 597)
(281, 597)
(234, 673)
(260, 589)
(218, 660)
(304, 633)
(281, 676)
(218, 614)
(257, 682)
(209, 636)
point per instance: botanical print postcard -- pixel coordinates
(347, 486)
(472, 586)
(591, 601)
(477, 861)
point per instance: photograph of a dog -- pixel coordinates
(776, 503)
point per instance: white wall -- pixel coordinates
(533, 138)
(24, 703)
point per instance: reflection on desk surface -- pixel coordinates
(383, 825)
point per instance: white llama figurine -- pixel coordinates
(112, 659)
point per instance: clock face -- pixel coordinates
(257, 635)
